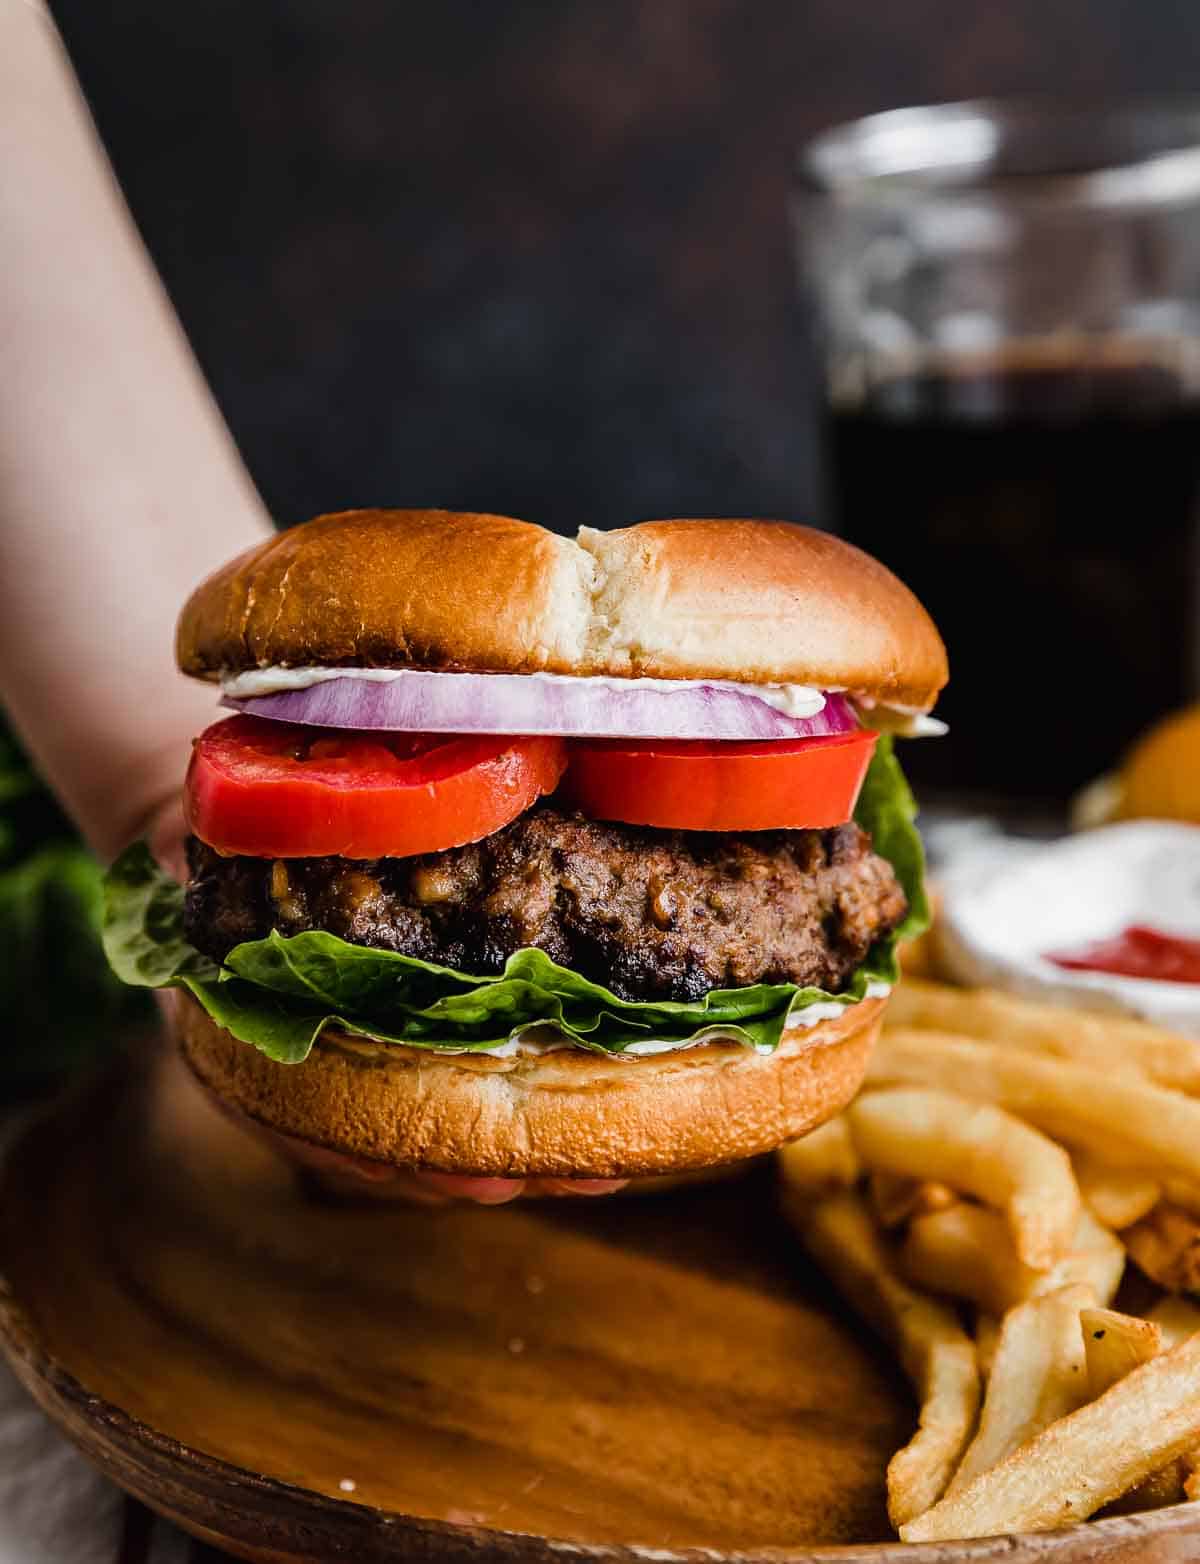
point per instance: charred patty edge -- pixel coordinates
(651, 914)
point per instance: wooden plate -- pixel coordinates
(293, 1378)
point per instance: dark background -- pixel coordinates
(531, 257)
(519, 255)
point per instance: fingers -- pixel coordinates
(499, 1191)
(343, 1174)
(575, 1186)
(322, 1160)
(480, 1191)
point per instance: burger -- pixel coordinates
(523, 855)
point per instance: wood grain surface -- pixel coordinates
(301, 1379)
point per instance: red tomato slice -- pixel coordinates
(275, 790)
(700, 786)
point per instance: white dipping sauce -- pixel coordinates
(1001, 919)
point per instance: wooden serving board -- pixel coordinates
(299, 1379)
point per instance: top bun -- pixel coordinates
(754, 601)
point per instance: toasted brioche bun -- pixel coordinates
(752, 601)
(566, 1113)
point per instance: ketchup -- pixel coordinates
(1137, 952)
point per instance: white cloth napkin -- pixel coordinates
(54, 1507)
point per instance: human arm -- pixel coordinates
(120, 486)
(120, 489)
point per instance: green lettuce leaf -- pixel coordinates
(279, 993)
(143, 925)
(887, 811)
(60, 1003)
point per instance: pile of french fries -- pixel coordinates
(979, 1205)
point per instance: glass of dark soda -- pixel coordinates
(1008, 297)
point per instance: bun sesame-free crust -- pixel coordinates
(752, 601)
(567, 1113)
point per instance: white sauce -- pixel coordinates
(832, 1009)
(793, 700)
(1003, 911)
(533, 1045)
(904, 724)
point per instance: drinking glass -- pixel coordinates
(1008, 299)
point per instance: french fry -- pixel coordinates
(1104, 1042)
(980, 1150)
(1096, 1258)
(923, 1467)
(987, 1339)
(895, 1200)
(822, 1162)
(1081, 1462)
(1166, 1246)
(932, 1196)
(1085, 1407)
(892, 1198)
(1176, 1318)
(919, 957)
(1117, 1197)
(1181, 1192)
(1166, 1486)
(935, 1352)
(1038, 1375)
(967, 1251)
(1115, 1344)
(1119, 1120)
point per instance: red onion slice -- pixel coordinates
(422, 702)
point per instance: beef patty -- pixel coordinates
(651, 914)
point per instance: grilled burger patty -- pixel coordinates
(651, 914)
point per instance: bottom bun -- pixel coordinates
(566, 1113)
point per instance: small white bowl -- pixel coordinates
(1001, 917)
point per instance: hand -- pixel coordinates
(359, 1178)
(356, 1176)
(166, 833)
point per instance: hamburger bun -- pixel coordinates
(567, 1113)
(755, 602)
